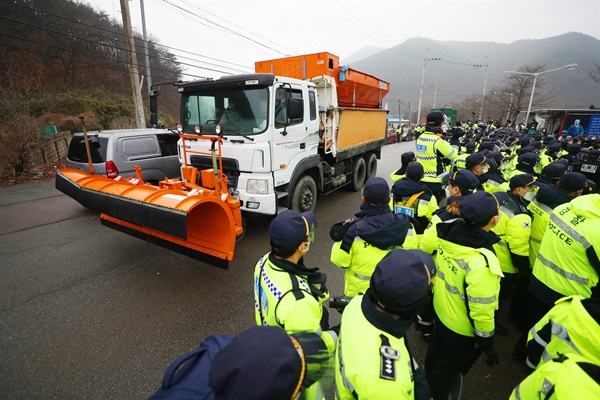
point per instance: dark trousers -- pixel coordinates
(448, 354)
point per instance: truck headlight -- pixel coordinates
(257, 186)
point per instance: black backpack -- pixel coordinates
(187, 377)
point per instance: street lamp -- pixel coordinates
(425, 61)
(509, 104)
(536, 74)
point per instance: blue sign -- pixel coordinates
(594, 125)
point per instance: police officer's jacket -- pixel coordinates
(367, 241)
(398, 174)
(493, 181)
(571, 326)
(429, 240)
(424, 205)
(460, 162)
(514, 230)
(465, 293)
(430, 149)
(544, 160)
(566, 377)
(568, 261)
(547, 198)
(519, 169)
(370, 340)
(290, 296)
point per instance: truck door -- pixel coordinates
(292, 139)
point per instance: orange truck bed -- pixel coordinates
(355, 89)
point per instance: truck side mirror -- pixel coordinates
(294, 108)
(154, 108)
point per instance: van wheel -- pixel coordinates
(371, 160)
(304, 197)
(359, 174)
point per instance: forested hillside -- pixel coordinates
(60, 59)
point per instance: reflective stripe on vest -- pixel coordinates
(547, 387)
(362, 277)
(544, 207)
(570, 231)
(562, 333)
(454, 290)
(562, 272)
(347, 384)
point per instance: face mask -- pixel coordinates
(485, 170)
(448, 195)
(503, 167)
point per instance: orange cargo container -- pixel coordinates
(355, 89)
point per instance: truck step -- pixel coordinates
(281, 195)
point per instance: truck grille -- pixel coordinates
(230, 168)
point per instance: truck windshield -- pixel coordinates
(236, 110)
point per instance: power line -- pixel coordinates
(107, 45)
(73, 22)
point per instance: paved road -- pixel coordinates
(90, 313)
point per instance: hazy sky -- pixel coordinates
(232, 35)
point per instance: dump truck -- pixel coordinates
(297, 128)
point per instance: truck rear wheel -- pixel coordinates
(304, 197)
(371, 160)
(359, 174)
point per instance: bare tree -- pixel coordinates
(22, 100)
(595, 75)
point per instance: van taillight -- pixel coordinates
(111, 169)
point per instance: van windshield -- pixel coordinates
(236, 110)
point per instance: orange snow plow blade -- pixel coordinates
(196, 221)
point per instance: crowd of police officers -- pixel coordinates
(476, 219)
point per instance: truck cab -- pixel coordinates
(271, 127)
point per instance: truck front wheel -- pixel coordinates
(304, 197)
(359, 173)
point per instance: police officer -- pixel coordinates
(549, 156)
(552, 172)
(525, 165)
(568, 260)
(412, 193)
(458, 185)
(571, 326)
(460, 160)
(514, 230)
(224, 367)
(370, 237)
(405, 159)
(373, 360)
(493, 180)
(566, 377)
(286, 292)
(465, 312)
(430, 149)
(548, 197)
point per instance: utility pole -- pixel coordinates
(399, 113)
(148, 74)
(133, 67)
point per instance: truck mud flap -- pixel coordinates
(200, 226)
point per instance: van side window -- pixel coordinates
(135, 148)
(168, 144)
(78, 153)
